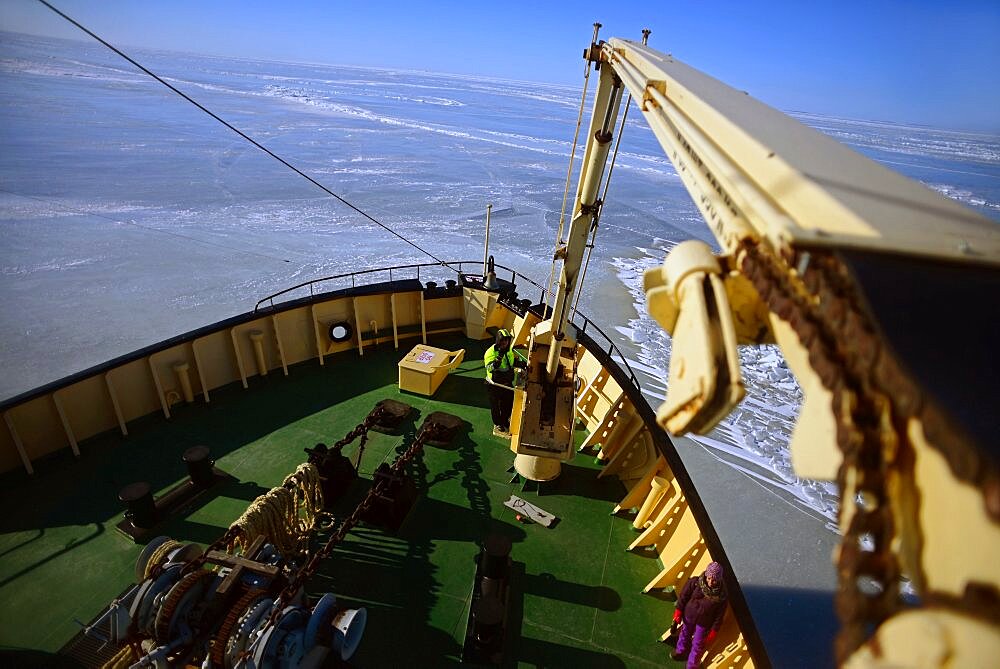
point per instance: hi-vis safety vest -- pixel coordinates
(495, 362)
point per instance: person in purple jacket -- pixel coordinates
(700, 607)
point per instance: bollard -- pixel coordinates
(496, 551)
(138, 499)
(487, 614)
(656, 493)
(181, 370)
(199, 464)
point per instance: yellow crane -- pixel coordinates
(884, 298)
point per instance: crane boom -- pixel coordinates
(754, 172)
(883, 297)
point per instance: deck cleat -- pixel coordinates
(487, 614)
(336, 472)
(200, 466)
(445, 427)
(390, 416)
(140, 511)
(393, 501)
(485, 628)
(144, 512)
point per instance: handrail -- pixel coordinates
(514, 274)
(352, 275)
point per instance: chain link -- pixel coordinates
(822, 308)
(360, 430)
(427, 433)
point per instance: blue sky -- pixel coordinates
(914, 61)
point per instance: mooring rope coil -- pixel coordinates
(232, 538)
(304, 483)
(121, 660)
(284, 515)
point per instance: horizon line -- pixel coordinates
(992, 133)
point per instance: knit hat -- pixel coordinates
(714, 571)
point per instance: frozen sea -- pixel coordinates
(128, 216)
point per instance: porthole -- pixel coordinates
(341, 332)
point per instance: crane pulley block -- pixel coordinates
(687, 296)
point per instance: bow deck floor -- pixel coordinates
(575, 593)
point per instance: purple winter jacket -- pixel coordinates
(699, 607)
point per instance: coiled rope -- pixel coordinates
(305, 486)
(158, 555)
(122, 659)
(284, 516)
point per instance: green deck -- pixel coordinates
(575, 597)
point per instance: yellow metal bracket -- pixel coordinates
(648, 100)
(687, 296)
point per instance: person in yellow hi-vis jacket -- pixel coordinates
(500, 361)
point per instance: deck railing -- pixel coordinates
(432, 271)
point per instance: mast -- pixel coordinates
(587, 206)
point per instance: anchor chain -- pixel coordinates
(361, 429)
(427, 433)
(220, 544)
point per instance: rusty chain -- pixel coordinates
(844, 349)
(428, 432)
(360, 430)
(873, 401)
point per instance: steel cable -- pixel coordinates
(607, 183)
(569, 174)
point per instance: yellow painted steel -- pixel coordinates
(765, 182)
(667, 525)
(687, 296)
(424, 368)
(756, 173)
(930, 638)
(191, 370)
(110, 399)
